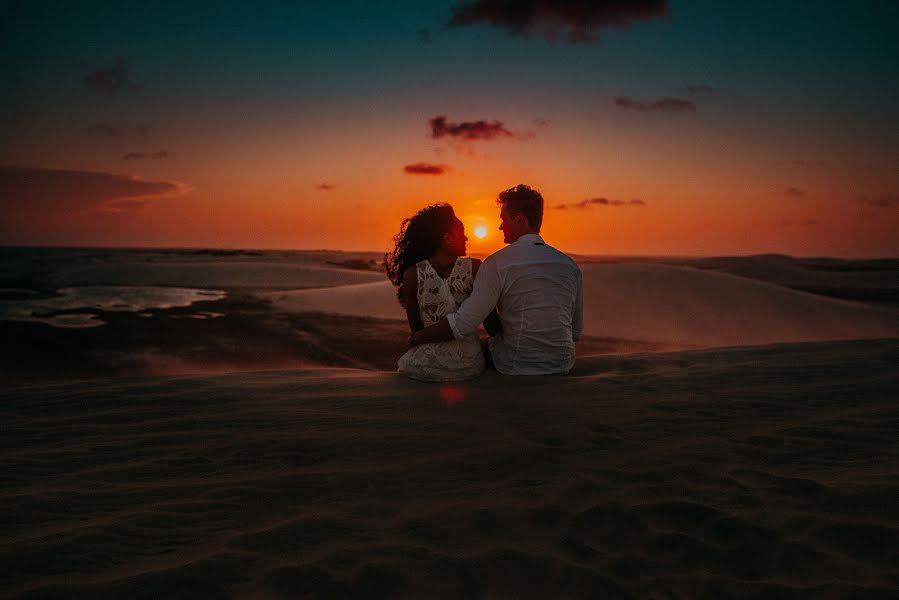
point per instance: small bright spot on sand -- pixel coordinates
(480, 231)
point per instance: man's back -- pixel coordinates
(539, 296)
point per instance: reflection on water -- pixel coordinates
(112, 298)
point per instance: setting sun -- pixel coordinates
(480, 232)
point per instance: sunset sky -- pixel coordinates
(650, 127)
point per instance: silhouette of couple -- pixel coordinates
(529, 296)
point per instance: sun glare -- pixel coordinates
(480, 232)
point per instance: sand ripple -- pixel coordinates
(741, 473)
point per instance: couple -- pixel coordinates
(528, 295)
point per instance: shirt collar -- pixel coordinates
(530, 238)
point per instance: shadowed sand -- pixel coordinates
(723, 472)
(729, 473)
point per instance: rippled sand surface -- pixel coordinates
(728, 473)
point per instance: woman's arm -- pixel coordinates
(410, 297)
(492, 323)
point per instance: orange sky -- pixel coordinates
(224, 137)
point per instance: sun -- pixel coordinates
(480, 232)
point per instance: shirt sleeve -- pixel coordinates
(476, 307)
(577, 319)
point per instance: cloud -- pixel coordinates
(666, 104)
(885, 201)
(702, 90)
(160, 155)
(34, 195)
(800, 163)
(795, 192)
(110, 131)
(425, 169)
(111, 80)
(578, 21)
(325, 187)
(469, 130)
(600, 202)
(811, 222)
(122, 206)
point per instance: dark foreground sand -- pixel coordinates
(770, 471)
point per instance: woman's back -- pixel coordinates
(437, 297)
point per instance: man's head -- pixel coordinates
(521, 212)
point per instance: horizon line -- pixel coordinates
(248, 249)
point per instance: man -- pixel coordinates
(537, 290)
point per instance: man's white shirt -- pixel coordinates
(538, 292)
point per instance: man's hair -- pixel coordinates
(524, 200)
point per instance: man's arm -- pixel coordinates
(577, 319)
(473, 310)
(438, 332)
(492, 323)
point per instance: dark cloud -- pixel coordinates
(702, 90)
(811, 222)
(424, 36)
(601, 202)
(576, 21)
(666, 104)
(469, 130)
(111, 80)
(160, 155)
(33, 195)
(885, 201)
(325, 187)
(123, 205)
(111, 131)
(800, 163)
(795, 192)
(425, 169)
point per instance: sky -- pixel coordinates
(650, 127)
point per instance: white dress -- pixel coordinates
(437, 297)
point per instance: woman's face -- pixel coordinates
(454, 240)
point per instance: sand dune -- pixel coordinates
(867, 280)
(681, 305)
(683, 475)
(662, 304)
(376, 299)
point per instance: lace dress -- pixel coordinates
(437, 297)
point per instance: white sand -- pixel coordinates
(660, 303)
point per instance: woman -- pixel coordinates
(432, 280)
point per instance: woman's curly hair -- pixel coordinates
(419, 237)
